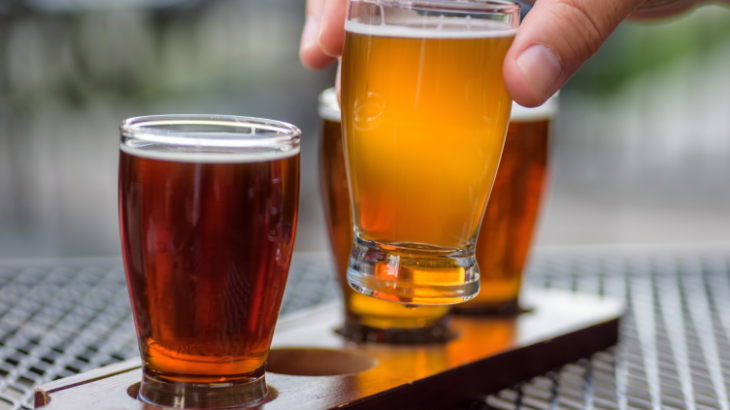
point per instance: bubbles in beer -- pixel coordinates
(207, 248)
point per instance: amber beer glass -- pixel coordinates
(208, 211)
(424, 114)
(366, 318)
(509, 221)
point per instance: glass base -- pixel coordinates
(437, 332)
(412, 275)
(162, 392)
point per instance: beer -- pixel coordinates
(366, 318)
(425, 112)
(508, 225)
(207, 239)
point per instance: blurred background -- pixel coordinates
(641, 149)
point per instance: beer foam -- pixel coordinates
(329, 108)
(165, 153)
(543, 112)
(438, 28)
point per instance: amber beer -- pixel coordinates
(207, 234)
(425, 112)
(366, 318)
(509, 222)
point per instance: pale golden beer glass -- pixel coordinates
(424, 114)
(366, 318)
(509, 222)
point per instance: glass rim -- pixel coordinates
(230, 131)
(482, 6)
(208, 138)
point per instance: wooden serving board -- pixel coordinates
(485, 356)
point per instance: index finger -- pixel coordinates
(332, 36)
(310, 53)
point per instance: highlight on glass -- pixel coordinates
(366, 318)
(208, 212)
(424, 114)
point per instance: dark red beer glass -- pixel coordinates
(208, 211)
(505, 237)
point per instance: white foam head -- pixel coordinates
(158, 152)
(329, 108)
(543, 112)
(437, 28)
(209, 139)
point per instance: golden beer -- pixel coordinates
(366, 318)
(425, 112)
(508, 225)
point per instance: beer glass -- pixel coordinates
(208, 211)
(424, 114)
(366, 318)
(508, 225)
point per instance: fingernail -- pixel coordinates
(542, 69)
(310, 33)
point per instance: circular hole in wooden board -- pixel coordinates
(318, 362)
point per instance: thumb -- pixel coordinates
(553, 42)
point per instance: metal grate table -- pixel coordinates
(62, 317)
(674, 351)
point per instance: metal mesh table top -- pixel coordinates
(62, 317)
(675, 339)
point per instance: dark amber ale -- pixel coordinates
(207, 246)
(366, 318)
(509, 221)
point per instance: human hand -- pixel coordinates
(553, 41)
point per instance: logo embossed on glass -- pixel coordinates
(369, 112)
